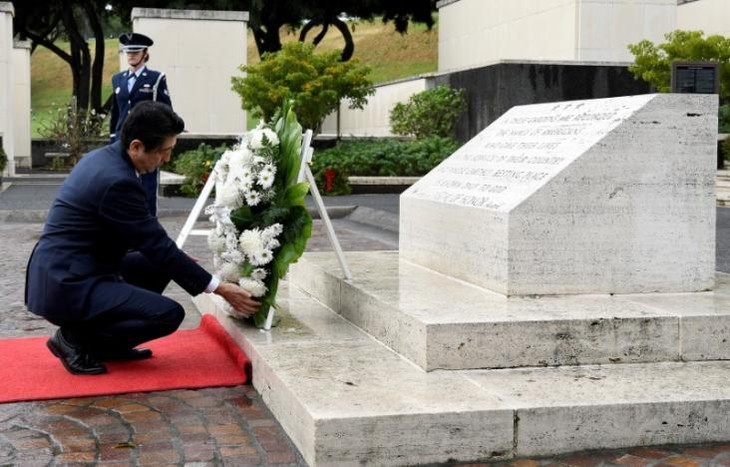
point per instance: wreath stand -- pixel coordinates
(305, 173)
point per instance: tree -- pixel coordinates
(267, 17)
(314, 82)
(45, 22)
(653, 63)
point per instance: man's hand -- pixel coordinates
(241, 300)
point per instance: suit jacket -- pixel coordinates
(144, 89)
(99, 214)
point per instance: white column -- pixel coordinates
(6, 82)
(21, 103)
(199, 51)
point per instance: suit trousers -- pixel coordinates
(139, 311)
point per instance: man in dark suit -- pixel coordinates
(135, 85)
(103, 259)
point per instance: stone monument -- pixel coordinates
(599, 196)
(554, 207)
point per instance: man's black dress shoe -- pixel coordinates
(123, 354)
(74, 358)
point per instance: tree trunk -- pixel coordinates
(308, 27)
(349, 48)
(266, 40)
(80, 57)
(97, 69)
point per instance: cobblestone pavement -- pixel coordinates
(214, 426)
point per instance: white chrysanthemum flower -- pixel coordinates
(229, 272)
(266, 179)
(236, 172)
(231, 240)
(224, 217)
(229, 196)
(257, 288)
(221, 170)
(246, 181)
(241, 157)
(216, 242)
(266, 176)
(272, 232)
(225, 157)
(250, 242)
(259, 135)
(272, 244)
(220, 215)
(252, 197)
(259, 274)
(233, 256)
(262, 258)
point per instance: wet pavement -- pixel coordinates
(213, 426)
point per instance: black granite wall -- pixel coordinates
(494, 89)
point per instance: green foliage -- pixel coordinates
(653, 63)
(724, 119)
(196, 165)
(726, 149)
(314, 82)
(378, 158)
(74, 128)
(429, 113)
(3, 160)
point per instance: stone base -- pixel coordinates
(439, 322)
(345, 399)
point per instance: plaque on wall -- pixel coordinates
(696, 77)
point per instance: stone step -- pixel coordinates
(346, 400)
(438, 322)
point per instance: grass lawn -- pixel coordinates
(389, 54)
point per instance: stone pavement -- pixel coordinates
(214, 426)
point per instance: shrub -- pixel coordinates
(653, 63)
(3, 160)
(429, 113)
(73, 128)
(315, 82)
(724, 119)
(196, 165)
(725, 148)
(377, 158)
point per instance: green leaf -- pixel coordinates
(242, 217)
(296, 195)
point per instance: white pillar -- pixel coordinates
(6, 82)
(21, 103)
(199, 51)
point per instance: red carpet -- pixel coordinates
(195, 358)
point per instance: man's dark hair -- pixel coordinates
(152, 123)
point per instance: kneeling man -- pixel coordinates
(99, 269)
